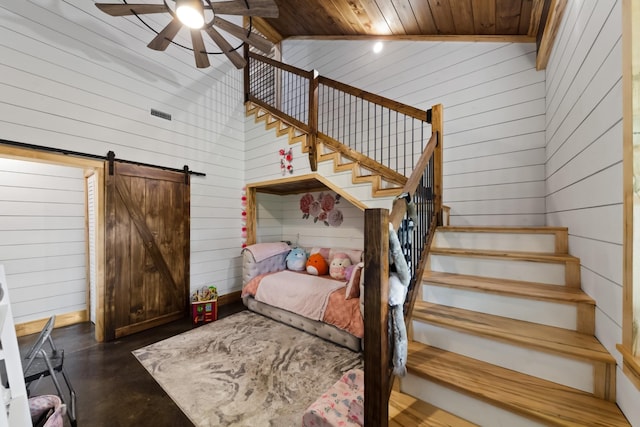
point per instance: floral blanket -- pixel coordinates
(342, 405)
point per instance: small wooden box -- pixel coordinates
(204, 311)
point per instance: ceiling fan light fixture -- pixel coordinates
(190, 13)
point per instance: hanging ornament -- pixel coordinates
(286, 161)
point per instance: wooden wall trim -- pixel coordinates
(18, 153)
(554, 19)
(229, 298)
(66, 319)
(630, 28)
(424, 38)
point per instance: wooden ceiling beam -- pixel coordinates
(536, 15)
(550, 30)
(264, 28)
(430, 38)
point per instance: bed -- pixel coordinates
(320, 305)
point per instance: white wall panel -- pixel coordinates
(584, 159)
(494, 108)
(42, 247)
(269, 214)
(307, 232)
(72, 77)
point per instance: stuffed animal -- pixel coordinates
(339, 263)
(317, 265)
(296, 259)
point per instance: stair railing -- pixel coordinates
(386, 137)
(382, 135)
(415, 229)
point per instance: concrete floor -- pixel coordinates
(112, 387)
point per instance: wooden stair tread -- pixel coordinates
(532, 290)
(546, 338)
(387, 192)
(408, 411)
(532, 397)
(514, 255)
(507, 230)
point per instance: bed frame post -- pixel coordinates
(376, 316)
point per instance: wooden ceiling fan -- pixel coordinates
(202, 15)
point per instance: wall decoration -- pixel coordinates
(243, 202)
(322, 209)
(286, 161)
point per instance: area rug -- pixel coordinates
(246, 370)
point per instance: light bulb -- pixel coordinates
(190, 14)
(377, 48)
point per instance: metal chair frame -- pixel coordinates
(39, 364)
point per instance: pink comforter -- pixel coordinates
(338, 311)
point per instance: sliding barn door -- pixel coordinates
(147, 248)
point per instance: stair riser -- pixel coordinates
(361, 192)
(519, 242)
(530, 310)
(502, 268)
(464, 406)
(531, 361)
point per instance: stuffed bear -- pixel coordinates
(317, 265)
(296, 259)
(339, 263)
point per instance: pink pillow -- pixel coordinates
(353, 285)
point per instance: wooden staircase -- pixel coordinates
(331, 161)
(502, 335)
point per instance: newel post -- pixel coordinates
(376, 318)
(437, 127)
(247, 74)
(313, 120)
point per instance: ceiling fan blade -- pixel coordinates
(235, 30)
(129, 9)
(199, 51)
(226, 48)
(262, 8)
(164, 37)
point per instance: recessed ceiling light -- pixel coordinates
(377, 48)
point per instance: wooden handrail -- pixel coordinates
(399, 209)
(377, 99)
(282, 65)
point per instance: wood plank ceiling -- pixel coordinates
(453, 20)
(506, 19)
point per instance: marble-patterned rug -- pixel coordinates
(246, 370)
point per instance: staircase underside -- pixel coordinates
(384, 182)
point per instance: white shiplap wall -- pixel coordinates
(280, 218)
(269, 218)
(494, 115)
(349, 234)
(42, 237)
(584, 162)
(75, 78)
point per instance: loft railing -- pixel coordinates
(386, 137)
